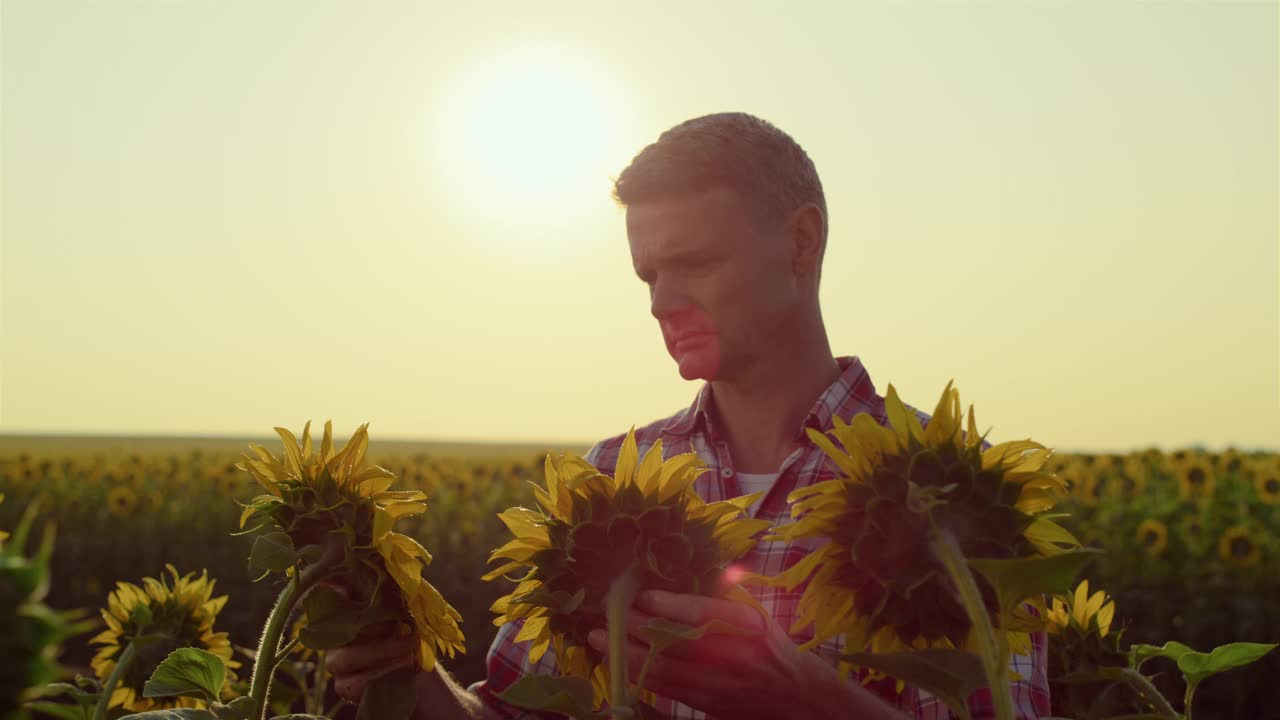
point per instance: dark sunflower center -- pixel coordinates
(1196, 476)
(1271, 486)
(1241, 547)
(1150, 537)
(1193, 529)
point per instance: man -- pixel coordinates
(727, 224)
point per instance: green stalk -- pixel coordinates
(1149, 693)
(1186, 700)
(622, 592)
(264, 667)
(322, 683)
(265, 664)
(971, 598)
(126, 659)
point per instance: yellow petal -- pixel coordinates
(532, 629)
(679, 474)
(628, 456)
(499, 572)
(904, 422)
(293, 454)
(525, 523)
(1105, 616)
(326, 443)
(649, 475)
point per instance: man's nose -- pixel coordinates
(665, 298)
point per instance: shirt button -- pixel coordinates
(726, 472)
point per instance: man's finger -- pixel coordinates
(697, 610)
(377, 631)
(352, 687)
(357, 658)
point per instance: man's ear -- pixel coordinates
(806, 237)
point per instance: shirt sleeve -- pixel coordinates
(507, 661)
(1030, 691)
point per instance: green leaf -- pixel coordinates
(1017, 579)
(272, 552)
(566, 695)
(88, 684)
(141, 615)
(172, 714)
(1196, 666)
(85, 699)
(190, 672)
(310, 554)
(1139, 653)
(60, 710)
(80, 695)
(390, 697)
(333, 621)
(951, 675)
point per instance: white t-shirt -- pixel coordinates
(756, 483)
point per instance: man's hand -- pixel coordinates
(376, 651)
(731, 676)
(380, 649)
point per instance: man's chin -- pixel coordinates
(694, 368)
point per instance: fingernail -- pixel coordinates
(597, 639)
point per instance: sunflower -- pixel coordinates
(1134, 476)
(1196, 478)
(1238, 547)
(317, 493)
(1095, 488)
(592, 529)
(1193, 533)
(1229, 461)
(1266, 483)
(1081, 612)
(121, 501)
(877, 579)
(172, 615)
(1153, 536)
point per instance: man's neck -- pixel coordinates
(760, 413)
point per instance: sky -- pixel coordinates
(222, 216)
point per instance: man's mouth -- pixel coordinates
(688, 338)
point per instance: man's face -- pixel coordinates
(720, 283)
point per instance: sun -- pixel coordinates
(531, 137)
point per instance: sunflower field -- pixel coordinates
(1191, 541)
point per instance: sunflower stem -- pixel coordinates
(993, 658)
(126, 659)
(622, 592)
(322, 684)
(283, 654)
(1150, 694)
(264, 666)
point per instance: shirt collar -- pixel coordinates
(850, 394)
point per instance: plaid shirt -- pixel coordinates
(850, 394)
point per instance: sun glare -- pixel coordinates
(531, 136)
